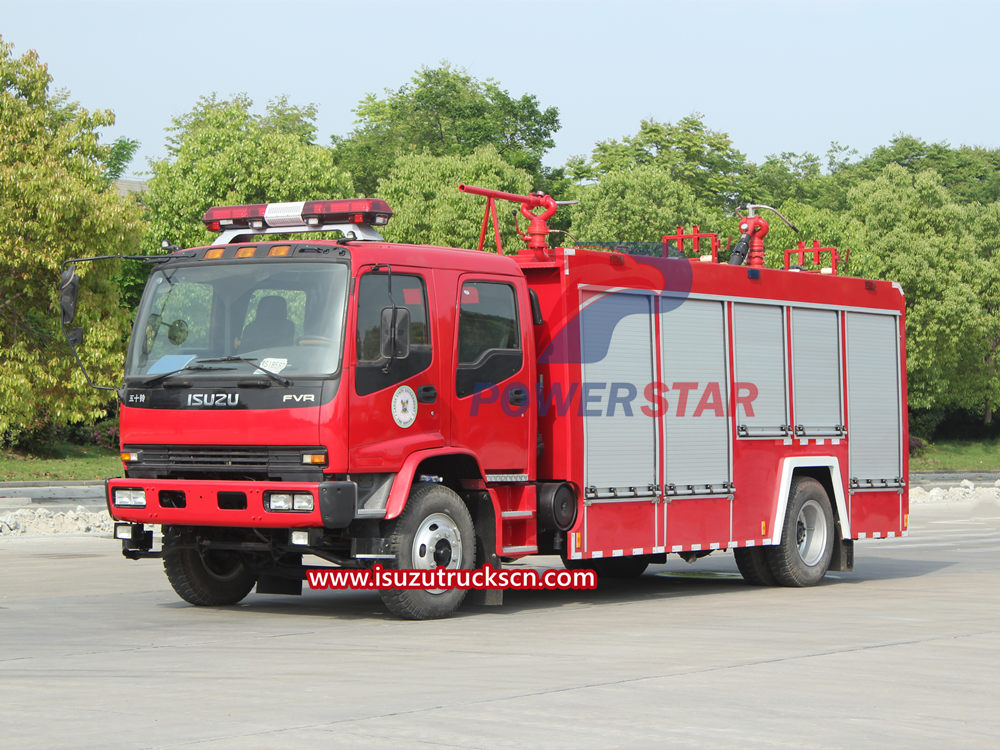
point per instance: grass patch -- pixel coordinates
(62, 462)
(958, 455)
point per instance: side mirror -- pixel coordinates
(74, 337)
(69, 291)
(395, 333)
(177, 333)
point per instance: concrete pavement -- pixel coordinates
(900, 653)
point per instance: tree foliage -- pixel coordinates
(688, 151)
(57, 205)
(429, 209)
(907, 228)
(638, 204)
(444, 111)
(222, 153)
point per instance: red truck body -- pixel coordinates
(594, 404)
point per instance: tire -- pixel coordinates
(610, 567)
(753, 566)
(213, 578)
(802, 556)
(434, 529)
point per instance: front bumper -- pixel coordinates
(234, 504)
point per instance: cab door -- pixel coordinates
(395, 403)
(492, 382)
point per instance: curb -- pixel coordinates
(39, 483)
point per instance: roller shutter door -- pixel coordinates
(873, 399)
(816, 372)
(697, 440)
(620, 440)
(759, 345)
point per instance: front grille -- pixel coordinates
(255, 462)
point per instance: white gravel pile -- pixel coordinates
(43, 522)
(965, 492)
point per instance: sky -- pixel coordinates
(776, 75)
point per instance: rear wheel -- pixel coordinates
(207, 578)
(753, 566)
(803, 554)
(434, 530)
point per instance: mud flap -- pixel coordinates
(843, 554)
(484, 520)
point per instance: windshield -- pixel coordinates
(286, 317)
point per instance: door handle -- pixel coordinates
(427, 394)
(518, 396)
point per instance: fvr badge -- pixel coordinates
(404, 406)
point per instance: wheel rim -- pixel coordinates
(437, 543)
(811, 533)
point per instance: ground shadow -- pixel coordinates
(711, 576)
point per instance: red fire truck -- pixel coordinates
(362, 401)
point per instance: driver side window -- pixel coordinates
(489, 341)
(373, 295)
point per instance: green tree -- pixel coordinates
(688, 151)
(444, 111)
(120, 156)
(57, 204)
(788, 176)
(429, 209)
(639, 204)
(907, 228)
(970, 174)
(979, 255)
(222, 153)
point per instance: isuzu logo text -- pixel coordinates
(213, 399)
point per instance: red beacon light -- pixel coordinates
(219, 218)
(350, 211)
(355, 217)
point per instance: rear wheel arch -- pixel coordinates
(826, 471)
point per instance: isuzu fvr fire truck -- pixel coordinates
(362, 401)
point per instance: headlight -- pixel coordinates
(279, 501)
(130, 498)
(302, 501)
(290, 501)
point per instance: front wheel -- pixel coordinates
(434, 530)
(207, 578)
(802, 555)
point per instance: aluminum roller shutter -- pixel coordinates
(816, 368)
(698, 442)
(759, 346)
(873, 399)
(621, 443)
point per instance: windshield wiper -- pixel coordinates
(255, 363)
(192, 366)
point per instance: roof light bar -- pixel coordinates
(356, 211)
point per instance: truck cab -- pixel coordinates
(284, 398)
